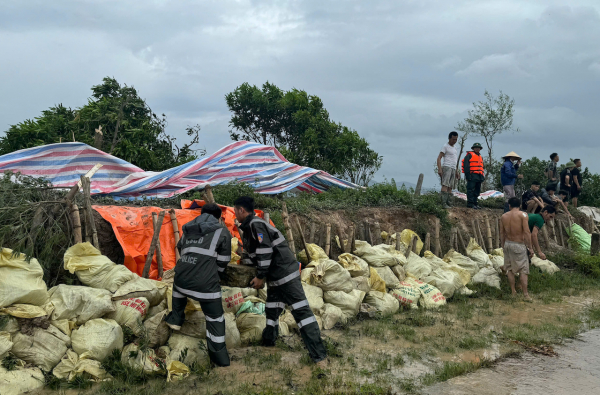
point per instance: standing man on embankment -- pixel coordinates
(447, 170)
(515, 239)
(267, 248)
(576, 185)
(508, 176)
(472, 166)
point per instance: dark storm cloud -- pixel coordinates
(401, 73)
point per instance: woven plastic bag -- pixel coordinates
(71, 366)
(386, 273)
(5, 344)
(447, 281)
(187, 350)
(232, 298)
(349, 302)
(194, 325)
(545, 266)
(375, 281)
(316, 254)
(407, 295)
(417, 267)
(476, 253)
(251, 326)
(44, 348)
(331, 315)
(21, 380)
(331, 276)
(79, 304)
(406, 236)
(131, 313)
(97, 339)
(462, 262)
(232, 333)
(362, 284)
(431, 297)
(153, 291)
(357, 267)
(21, 281)
(157, 330)
(487, 275)
(377, 256)
(314, 295)
(386, 304)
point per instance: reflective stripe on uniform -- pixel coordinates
(223, 258)
(220, 269)
(264, 263)
(220, 319)
(275, 305)
(284, 280)
(252, 255)
(278, 241)
(272, 323)
(248, 261)
(264, 250)
(306, 321)
(215, 339)
(178, 295)
(300, 304)
(198, 250)
(269, 226)
(197, 295)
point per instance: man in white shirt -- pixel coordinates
(448, 171)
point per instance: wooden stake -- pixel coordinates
(304, 244)
(455, 246)
(595, 244)
(413, 243)
(153, 243)
(553, 227)
(560, 233)
(85, 182)
(368, 234)
(546, 238)
(175, 231)
(267, 218)
(159, 261)
(437, 247)
(288, 228)
(410, 247)
(461, 242)
(328, 239)
(208, 195)
(311, 236)
(351, 242)
(76, 222)
(377, 235)
(482, 243)
(427, 242)
(419, 185)
(88, 230)
(488, 229)
(452, 237)
(497, 232)
(237, 225)
(398, 242)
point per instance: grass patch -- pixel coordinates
(544, 334)
(472, 342)
(452, 369)
(9, 362)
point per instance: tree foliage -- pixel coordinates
(115, 120)
(298, 125)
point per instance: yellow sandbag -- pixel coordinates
(316, 254)
(24, 311)
(331, 276)
(377, 256)
(71, 366)
(447, 281)
(384, 235)
(157, 330)
(5, 344)
(417, 267)
(21, 281)
(375, 281)
(406, 236)
(43, 349)
(65, 326)
(232, 299)
(234, 247)
(251, 326)
(145, 361)
(187, 350)
(153, 291)
(355, 265)
(177, 370)
(462, 261)
(94, 269)
(97, 339)
(388, 276)
(348, 302)
(362, 284)
(232, 333)
(331, 315)
(498, 252)
(476, 253)
(487, 275)
(131, 313)
(20, 380)
(314, 295)
(79, 304)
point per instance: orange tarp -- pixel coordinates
(133, 229)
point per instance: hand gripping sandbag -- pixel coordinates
(44, 348)
(349, 303)
(21, 281)
(331, 276)
(356, 266)
(386, 304)
(97, 339)
(94, 269)
(79, 304)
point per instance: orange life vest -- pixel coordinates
(476, 163)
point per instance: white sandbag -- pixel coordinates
(407, 295)
(362, 283)
(71, 366)
(79, 304)
(5, 344)
(544, 265)
(476, 253)
(462, 261)
(251, 326)
(232, 333)
(232, 299)
(391, 249)
(386, 304)
(11, 325)
(314, 295)
(97, 339)
(283, 329)
(187, 350)
(154, 291)
(194, 325)
(356, 266)
(487, 275)
(145, 360)
(65, 326)
(131, 313)
(249, 292)
(434, 261)
(417, 267)
(447, 281)
(497, 262)
(498, 252)
(157, 330)
(262, 293)
(386, 273)
(465, 291)
(159, 308)
(43, 349)
(431, 297)
(349, 303)
(21, 281)
(331, 316)
(331, 276)
(376, 256)
(94, 269)
(288, 318)
(399, 271)
(20, 381)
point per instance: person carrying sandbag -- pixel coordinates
(205, 252)
(266, 247)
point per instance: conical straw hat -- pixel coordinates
(512, 154)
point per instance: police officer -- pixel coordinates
(205, 252)
(472, 166)
(267, 248)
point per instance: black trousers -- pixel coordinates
(473, 192)
(215, 323)
(292, 294)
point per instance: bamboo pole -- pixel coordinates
(546, 238)
(351, 241)
(267, 218)
(76, 221)
(452, 236)
(159, 261)
(304, 244)
(427, 241)
(175, 232)
(488, 229)
(288, 228)
(328, 239)
(595, 247)
(497, 232)
(398, 242)
(377, 230)
(413, 243)
(437, 247)
(88, 232)
(208, 195)
(560, 233)
(553, 226)
(410, 247)
(455, 246)
(419, 185)
(153, 243)
(85, 182)
(311, 236)
(461, 242)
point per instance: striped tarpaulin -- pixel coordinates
(262, 167)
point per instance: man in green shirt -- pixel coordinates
(536, 222)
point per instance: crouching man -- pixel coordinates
(268, 249)
(205, 252)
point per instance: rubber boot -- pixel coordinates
(444, 196)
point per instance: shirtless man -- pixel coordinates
(515, 239)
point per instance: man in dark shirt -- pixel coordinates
(530, 201)
(576, 182)
(551, 170)
(565, 182)
(549, 197)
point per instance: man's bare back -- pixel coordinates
(514, 226)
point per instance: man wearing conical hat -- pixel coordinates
(508, 176)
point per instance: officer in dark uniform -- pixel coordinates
(205, 252)
(266, 247)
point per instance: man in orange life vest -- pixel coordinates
(472, 166)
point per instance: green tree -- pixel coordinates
(115, 120)
(487, 119)
(298, 125)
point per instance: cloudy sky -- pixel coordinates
(402, 73)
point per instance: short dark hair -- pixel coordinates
(552, 156)
(563, 192)
(550, 187)
(514, 202)
(576, 160)
(212, 209)
(452, 134)
(549, 209)
(245, 202)
(535, 183)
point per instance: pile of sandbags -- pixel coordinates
(487, 273)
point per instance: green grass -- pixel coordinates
(470, 342)
(452, 369)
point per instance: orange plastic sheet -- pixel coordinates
(133, 229)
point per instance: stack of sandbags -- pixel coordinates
(476, 253)
(383, 260)
(487, 274)
(461, 261)
(78, 304)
